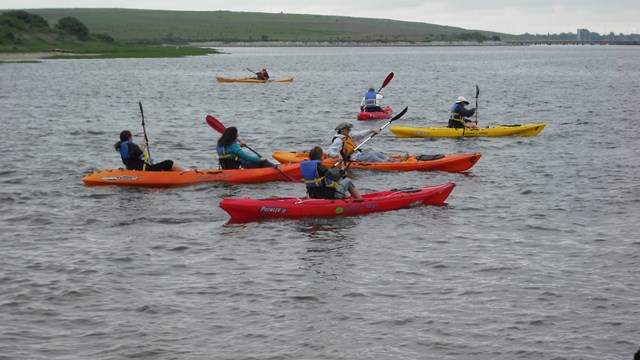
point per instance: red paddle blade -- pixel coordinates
(215, 124)
(387, 80)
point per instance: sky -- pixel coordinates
(504, 16)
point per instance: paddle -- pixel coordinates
(477, 93)
(404, 111)
(251, 70)
(386, 81)
(146, 139)
(219, 127)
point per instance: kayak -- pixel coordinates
(252, 80)
(500, 130)
(449, 163)
(375, 115)
(138, 178)
(248, 209)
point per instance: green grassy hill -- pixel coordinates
(156, 26)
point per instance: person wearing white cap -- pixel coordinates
(459, 114)
(344, 144)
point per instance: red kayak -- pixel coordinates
(375, 115)
(247, 209)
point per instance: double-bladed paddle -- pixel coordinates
(386, 81)
(144, 130)
(404, 111)
(219, 127)
(477, 93)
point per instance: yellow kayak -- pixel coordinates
(500, 130)
(252, 80)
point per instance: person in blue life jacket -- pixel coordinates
(323, 183)
(231, 156)
(344, 145)
(371, 101)
(459, 114)
(262, 75)
(135, 156)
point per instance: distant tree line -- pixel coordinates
(19, 26)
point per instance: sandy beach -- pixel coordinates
(30, 56)
(26, 56)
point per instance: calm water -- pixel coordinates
(535, 257)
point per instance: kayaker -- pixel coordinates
(343, 145)
(231, 156)
(459, 114)
(135, 157)
(323, 183)
(262, 75)
(371, 101)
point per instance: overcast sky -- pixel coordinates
(512, 17)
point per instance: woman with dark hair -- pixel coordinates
(231, 156)
(135, 157)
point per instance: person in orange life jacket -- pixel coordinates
(135, 157)
(458, 117)
(323, 183)
(343, 145)
(371, 101)
(262, 75)
(231, 156)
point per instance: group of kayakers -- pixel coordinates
(320, 181)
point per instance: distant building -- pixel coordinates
(583, 34)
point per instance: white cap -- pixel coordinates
(462, 99)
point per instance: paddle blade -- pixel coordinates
(215, 124)
(386, 81)
(141, 111)
(404, 111)
(477, 91)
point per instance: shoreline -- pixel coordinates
(43, 55)
(32, 56)
(343, 44)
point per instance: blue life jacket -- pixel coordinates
(309, 171)
(128, 149)
(370, 99)
(455, 115)
(126, 152)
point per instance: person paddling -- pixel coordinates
(231, 156)
(135, 157)
(262, 75)
(323, 183)
(344, 144)
(371, 101)
(459, 114)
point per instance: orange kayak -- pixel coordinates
(252, 80)
(125, 177)
(449, 163)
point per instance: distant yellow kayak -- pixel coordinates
(500, 130)
(252, 80)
